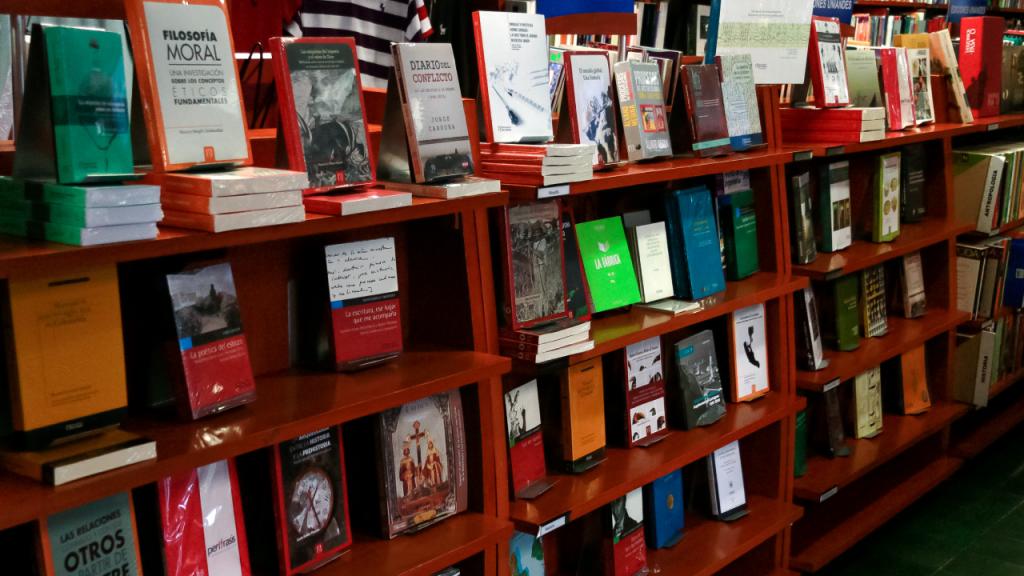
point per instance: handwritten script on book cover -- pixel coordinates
(361, 269)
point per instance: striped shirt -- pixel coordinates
(375, 24)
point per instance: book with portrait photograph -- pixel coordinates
(626, 549)
(591, 113)
(422, 463)
(525, 442)
(635, 382)
(534, 265)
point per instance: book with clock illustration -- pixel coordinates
(635, 390)
(422, 463)
(310, 500)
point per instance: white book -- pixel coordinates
(750, 352)
(230, 204)
(95, 217)
(725, 479)
(245, 180)
(913, 286)
(101, 196)
(548, 346)
(461, 188)
(578, 348)
(101, 235)
(672, 306)
(236, 221)
(652, 262)
(742, 25)
(907, 113)
(220, 527)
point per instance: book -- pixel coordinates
(512, 62)
(1013, 290)
(106, 526)
(538, 180)
(913, 182)
(234, 221)
(538, 356)
(76, 129)
(636, 392)
(804, 245)
(534, 265)
(894, 78)
(884, 223)
(578, 436)
(203, 530)
(79, 236)
(548, 150)
(649, 243)
(835, 137)
(827, 64)
(919, 60)
(975, 362)
(627, 550)
(829, 423)
(702, 127)
(366, 200)
(642, 110)
(365, 311)
(591, 111)
(866, 408)
(696, 399)
(663, 510)
(970, 274)
(738, 219)
(835, 218)
(608, 266)
(800, 445)
(310, 500)
(980, 46)
(906, 382)
(845, 307)
(422, 463)
(977, 178)
(671, 306)
(809, 350)
(750, 353)
(1012, 96)
(788, 23)
(944, 62)
(696, 269)
(525, 442)
(65, 355)
(323, 123)
(105, 451)
(449, 190)
(834, 118)
(229, 204)
(992, 281)
(873, 312)
(239, 181)
(526, 554)
(212, 372)
(739, 98)
(168, 46)
(79, 217)
(513, 342)
(912, 293)
(862, 79)
(97, 196)
(547, 333)
(424, 137)
(697, 20)
(725, 480)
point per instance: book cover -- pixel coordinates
(977, 179)
(1012, 97)
(696, 398)
(862, 79)
(889, 81)
(649, 243)
(422, 463)
(980, 46)
(885, 199)
(642, 109)
(944, 61)
(213, 351)
(739, 231)
(188, 124)
(67, 462)
(526, 555)
(913, 179)
(435, 140)
(976, 367)
(750, 353)
(663, 510)
(703, 128)
(362, 278)
(512, 61)
(692, 223)
(740, 100)
(908, 111)
(323, 119)
(827, 63)
(628, 548)
(809, 351)
(846, 302)
(525, 441)
(970, 273)
(65, 354)
(311, 500)
(95, 538)
(582, 408)
(643, 388)
(535, 269)
(774, 32)
(592, 114)
(830, 434)
(607, 263)
(873, 312)
(202, 523)
(921, 84)
(912, 293)
(834, 209)
(906, 383)
(802, 220)
(866, 408)
(725, 480)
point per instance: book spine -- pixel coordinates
(987, 217)
(825, 223)
(485, 96)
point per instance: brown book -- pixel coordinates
(700, 125)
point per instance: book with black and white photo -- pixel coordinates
(810, 355)
(725, 479)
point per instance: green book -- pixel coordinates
(847, 307)
(739, 228)
(800, 449)
(885, 205)
(607, 264)
(835, 215)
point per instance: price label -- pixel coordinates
(552, 191)
(835, 150)
(830, 385)
(830, 493)
(993, 126)
(553, 525)
(803, 155)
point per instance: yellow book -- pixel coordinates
(912, 41)
(583, 430)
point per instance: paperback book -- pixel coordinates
(827, 63)
(663, 510)
(696, 399)
(810, 354)
(749, 354)
(725, 479)
(525, 442)
(873, 302)
(636, 391)
(591, 111)
(627, 554)
(804, 246)
(577, 424)
(107, 524)
(884, 224)
(642, 109)
(609, 268)
(834, 208)
(699, 123)
(740, 100)
(697, 268)
(649, 243)
(866, 408)
(535, 271)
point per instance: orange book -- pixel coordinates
(583, 430)
(65, 355)
(908, 383)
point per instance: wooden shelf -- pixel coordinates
(617, 331)
(287, 405)
(424, 553)
(708, 545)
(898, 4)
(875, 512)
(663, 172)
(864, 254)
(826, 475)
(606, 23)
(628, 469)
(993, 10)
(995, 427)
(904, 334)
(18, 255)
(1005, 382)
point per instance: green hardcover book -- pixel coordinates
(607, 264)
(739, 228)
(847, 303)
(835, 215)
(885, 204)
(78, 125)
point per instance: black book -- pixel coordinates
(696, 397)
(913, 170)
(804, 247)
(809, 348)
(830, 436)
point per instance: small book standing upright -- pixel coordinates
(749, 354)
(725, 478)
(663, 510)
(592, 117)
(739, 96)
(534, 265)
(698, 123)
(635, 382)
(827, 63)
(109, 522)
(626, 552)
(642, 107)
(834, 209)
(697, 268)
(525, 442)
(607, 263)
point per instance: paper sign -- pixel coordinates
(361, 269)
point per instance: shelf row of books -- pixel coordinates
(986, 354)
(879, 26)
(988, 179)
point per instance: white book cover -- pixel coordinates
(102, 234)
(653, 267)
(833, 67)
(220, 530)
(775, 33)
(726, 479)
(643, 363)
(920, 76)
(112, 216)
(839, 195)
(750, 352)
(522, 411)
(913, 288)
(740, 96)
(515, 55)
(907, 112)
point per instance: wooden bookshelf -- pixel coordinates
(1005, 382)
(996, 11)
(896, 4)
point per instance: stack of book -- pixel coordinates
(231, 200)
(550, 342)
(538, 164)
(838, 125)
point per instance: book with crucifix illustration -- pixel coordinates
(635, 394)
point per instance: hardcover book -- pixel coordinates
(872, 289)
(310, 500)
(749, 353)
(636, 391)
(591, 111)
(202, 523)
(188, 124)
(827, 64)
(525, 442)
(627, 550)
(512, 60)
(919, 60)
(699, 124)
(76, 129)
(67, 462)
(696, 398)
(834, 209)
(739, 231)
(642, 110)
(845, 308)
(526, 555)
(697, 268)
(725, 479)
(663, 510)
(740, 100)
(906, 383)
(809, 351)
(106, 526)
(323, 122)
(607, 263)
(215, 373)
(913, 178)
(535, 270)
(866, 409)
(422, 463)
(804, 247)
(581, 435)
(366, 325)
(649, 243)
(862, 79)
(885, 199)
(980, 46)
(912, 293)
(65, 355)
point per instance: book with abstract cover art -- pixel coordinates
(592, 115)
(626, 549)
(749, 354)
(215, 371)
(697, 398)
(862, 79)
(422, 463)
(740, 99)
(526, 555)
(535, 272)
(525, 441)
(67, 537)
(322, 111)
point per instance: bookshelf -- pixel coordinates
(897, 4)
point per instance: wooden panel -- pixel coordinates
(113, 9)
(983, 428)
(609, 23)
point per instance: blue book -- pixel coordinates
(1013, 291)
(663, 510)
(675, 240)
(701, 256)
(711, 45)
(526, 555)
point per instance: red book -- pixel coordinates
(832, 136)
(525, 441)
(807, 124)
(370, 200)
(626, 550)
(888, 70)
(805, 117)
(706, 127)
(827, 62)
(323, 118)
(487, 148)
(981, 51)
(202, 524)
(640, 398)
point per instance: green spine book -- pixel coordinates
(90, 104)
(800, 448)
(739, 224)
(607, 264)
(885, 208)
(835, 216)
(847, 306)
